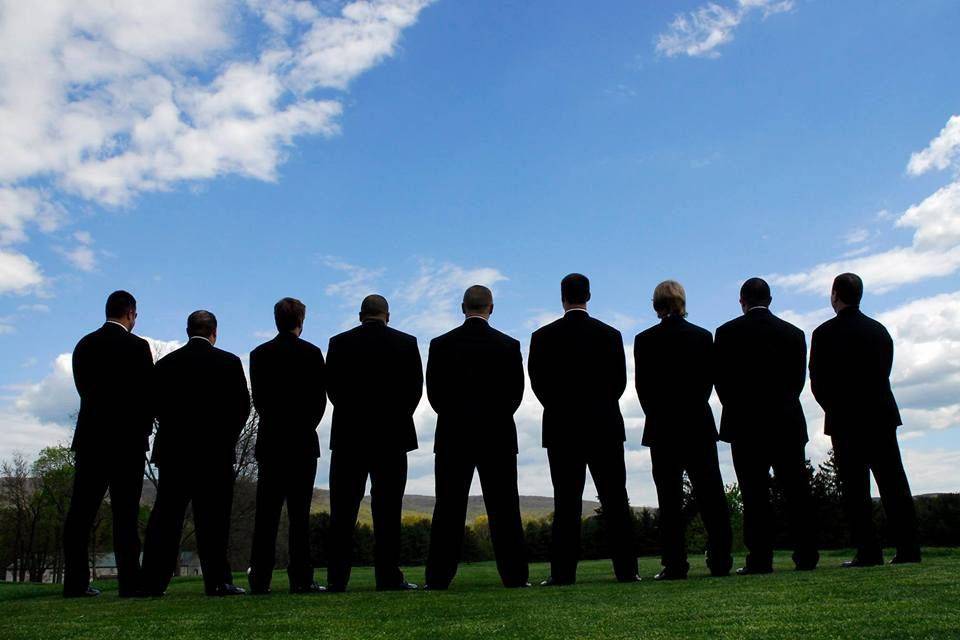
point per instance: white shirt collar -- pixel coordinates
(759, 306)
(574, 309)
(200, 338)
(119, 325)
(481, 317)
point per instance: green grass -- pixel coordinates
(910, 601)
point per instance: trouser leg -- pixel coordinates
(299, 498)
(90, 483)
(753, 473)
(668, 478)
(703, 468)
(161, 548)
(453, 474)
(568, 471)
(609, 472)
(895, 495)
(790, 468)
(498, 478)
(388, 479)
(853, 472)
(126, 485)
(270, 497)
(211, 515)
(348, 481)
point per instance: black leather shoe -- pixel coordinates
(225, 590)
(666, 574)
(901, 558)
(519, 585)
(857, 563)
(402, 586)
(433, 587)
(311, 587)
(336, 588)
(628, 579)
(754, 571)
(550, 582)
(89, 592)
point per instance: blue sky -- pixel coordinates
(220, 155)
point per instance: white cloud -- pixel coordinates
(82, 255)
(18, 273)
(702, 31)
(940, 153)
(857, 236)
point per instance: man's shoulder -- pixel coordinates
(400, 337)
(504, 338)
(786, 327)
(649, 333)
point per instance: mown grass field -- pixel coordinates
(911, 601)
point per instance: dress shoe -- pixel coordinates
(311, 587)
(89, 592)
(259, 591)
(434, 587)
(336, 588)
(903, 558)
(628, 579)
(754, 571)
(550, 582)
(400, 586)
(519, 585)
(805, 566)
(857, 563)
(666, 574)
(224, 590)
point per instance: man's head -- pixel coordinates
(847, 291)
(202, 324)
(669, 299)
(289, 314)
(375, 307)
(477, 301)
(575, 291)
(755, 292)
(122, 307)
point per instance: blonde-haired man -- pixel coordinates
(674, 381)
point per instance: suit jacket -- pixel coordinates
(674, 380)
(475, 384)
(578, 372)
(201, 403)
(761, 369)
(112, 369)
(851, 356)
(375, 381)
(288, 381)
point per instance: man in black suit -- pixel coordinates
(288, 381)
(674, 379)
(761, 370)
(475, 384)
(578, 372)
(201, 404)
(375, 384)
(111, 369)
(850, 361)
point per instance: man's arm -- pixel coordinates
(643, 380)
(539, 369)
(820, 369)
(514, 379)
(143, 385)
(436, 374)
(618, 381)
(413, 378)
(319, 382)
(241, 396)
(799, 374)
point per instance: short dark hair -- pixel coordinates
(374, 305)
(201, 324)
(289, 313)
(575, 289)
(849, 288)
(477, 298)
(120, 303)
(755, 292)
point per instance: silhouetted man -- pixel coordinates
(288, 381)
(375, 384)
(111, 369)
(578, 372)
(475, 384)
(202, 404)
(761, 370)
(674, 380)
(850, 361)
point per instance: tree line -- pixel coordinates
(34, 498)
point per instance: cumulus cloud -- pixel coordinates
(106, 100)
(18, 273)
(702, 31)
(940, 153)
(82, 255)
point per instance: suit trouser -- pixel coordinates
(289, 481)
(210, 490)
(752, 460)
(498, 480)
(94, 475)
(700, 462)
(568, 469)
(348, 481)
(857, 455)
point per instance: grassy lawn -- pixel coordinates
(912, 601)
